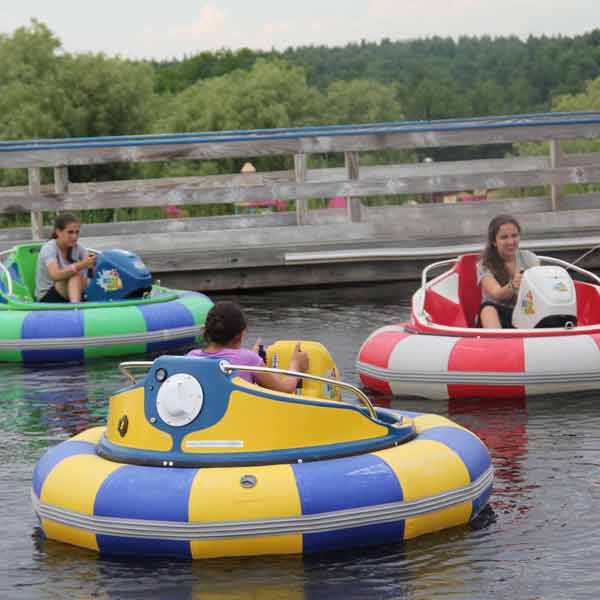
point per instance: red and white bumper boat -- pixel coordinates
(440, 353)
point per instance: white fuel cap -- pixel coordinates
(179, 400)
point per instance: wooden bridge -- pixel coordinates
(358, 243)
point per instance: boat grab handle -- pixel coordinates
(364, 400)
(425, 273)
(126, 367)
(569, 266)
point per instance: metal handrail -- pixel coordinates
(435, 265)
(570, 266)
(229, 368)
(124, 367)
(450, 261)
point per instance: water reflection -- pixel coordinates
(502, 426)
(546, 453)
(338, 575)
(55, 401)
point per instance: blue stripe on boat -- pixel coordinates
(136, 492)
(150, 494)
(56, 455)
(40, 324)
(168, 315)
(470, 449)
(347, 483)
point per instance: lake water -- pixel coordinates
(539, 541)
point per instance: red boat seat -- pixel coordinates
(445, 311)
(469, 293)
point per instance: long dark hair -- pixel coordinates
(224, 321)
(62, 221)
(490, 257)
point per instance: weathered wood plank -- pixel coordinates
(353, 204)
(386, 181)
(555, 161)
(300, 170)
(243, 185)
(34, 193)
(61, 180)
(254, 146)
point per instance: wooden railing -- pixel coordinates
(353, 181)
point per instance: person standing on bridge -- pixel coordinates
(500, 270)
(224, 331)
(63, 263)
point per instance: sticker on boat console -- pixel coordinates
(527, 304)
(109, 280)
(214, 444)
(560, 286)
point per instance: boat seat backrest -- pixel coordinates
(469, 293)
(453, 298)
(26, 257)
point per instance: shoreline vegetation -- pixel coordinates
(50, 93)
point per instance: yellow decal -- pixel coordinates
(109, 280)
(527, 304)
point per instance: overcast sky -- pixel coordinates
(175, 28)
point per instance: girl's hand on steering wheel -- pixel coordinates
(516, 280)
(257, 345)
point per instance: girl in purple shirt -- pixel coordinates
(224, 331)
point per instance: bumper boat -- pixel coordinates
(195, 462)
(554, 345)
(124, 312)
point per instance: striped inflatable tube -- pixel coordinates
(395, 361)
(442, 478)
(82, 333)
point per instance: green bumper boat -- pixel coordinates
(125, 313)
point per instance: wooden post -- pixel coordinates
(35, 189)
(353, 205)
(555, 161)
(300, 176)
(61, 180)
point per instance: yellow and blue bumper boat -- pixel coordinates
(195, 462)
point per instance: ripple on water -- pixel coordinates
(546, 453)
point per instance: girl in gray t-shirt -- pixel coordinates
(63, 263)
(500, 270)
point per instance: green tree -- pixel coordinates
(28, 72)
(270, 95)
(361, 101)
(104, 96)
(49, 94)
